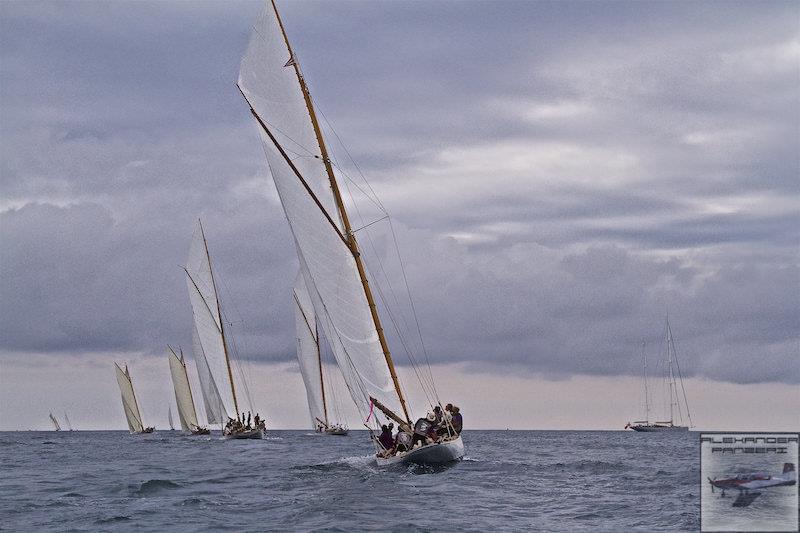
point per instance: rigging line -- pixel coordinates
(413, 309)
(680, 375)
(239, 360)
(385, 301)
(352, 160)
(371, 223)
(376, 199)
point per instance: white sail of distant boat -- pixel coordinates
(210, 345)
(129, 403)
(56, 425)
(66, 419)
(271, 81)
(310, 361)
(672, 376)
(187, 414)
(169, 419)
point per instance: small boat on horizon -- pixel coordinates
(56, 425)
(670, 366)
(129, 403)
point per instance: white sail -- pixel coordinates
(268, 81)
(56, 426)
(207, 342)
(169, 418)
(129, 404)
(66, 419)
(308, 352)
(183, 392)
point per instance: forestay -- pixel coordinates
(207, 343)
(269, 82)
(308, 355)
(132, 414)
(183, 392)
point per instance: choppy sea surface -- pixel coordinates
(299, 481)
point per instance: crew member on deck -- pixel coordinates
(457, 421)
(386, 439)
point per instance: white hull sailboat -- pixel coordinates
(210, 346)
(672, 370)
(310, 360)
(187, 415)
(272, 83)
(129, 403)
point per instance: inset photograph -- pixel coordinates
(748, 482)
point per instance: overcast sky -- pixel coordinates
(559, 175)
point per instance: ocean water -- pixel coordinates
(299, 481)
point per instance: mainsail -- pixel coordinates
(56, 426)
(271, 81)
(66, 419)
(208, 344)
(129, 404)
(183, 392)
(308, 354)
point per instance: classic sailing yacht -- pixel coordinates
(210, 345)
(56, 425)
(129, 404)
(169, 419)
(310, 360)
(69, 424)
(671, 392)
(272, 83)
(183, 395)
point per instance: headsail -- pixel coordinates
(269, 79)
(56, 426)
(207, 342)
(129, 404)
(169, 418)
(308, 355)
(183, 392)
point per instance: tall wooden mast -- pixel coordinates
(221, 322)
(349, 235)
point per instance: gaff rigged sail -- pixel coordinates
(269, 80)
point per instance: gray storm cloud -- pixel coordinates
(559, 176)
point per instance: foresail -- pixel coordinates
(268, 81)
(308, 352)
(183, 393)
(208, 344)
(132, 414)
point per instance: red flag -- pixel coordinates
(371, 409)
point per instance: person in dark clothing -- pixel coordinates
(424, 429)
(385, 438)
(457, 420)
(248, 418)
(402, 442)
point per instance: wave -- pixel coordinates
(154, 486)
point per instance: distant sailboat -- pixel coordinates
(671, 370)
(129, 403)
(310, 360)
(66, 419)
(272, 83)
(56, 425)
(210, 345)
(183, 395)
(169, 419)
